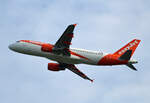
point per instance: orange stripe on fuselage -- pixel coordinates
(73, 53)
(33, 42)
(41, 44)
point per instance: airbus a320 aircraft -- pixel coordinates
(67, 57)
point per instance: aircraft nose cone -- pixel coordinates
(11, 46)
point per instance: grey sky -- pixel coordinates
(103, 25)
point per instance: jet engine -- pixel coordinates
(47, 47)
(55, 67)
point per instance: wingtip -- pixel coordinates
(75, 24)
(92, 80)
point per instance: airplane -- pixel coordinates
(67, 57)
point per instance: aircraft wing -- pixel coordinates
(74, 69)
(64, 42)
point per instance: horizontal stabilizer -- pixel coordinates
(131, 66)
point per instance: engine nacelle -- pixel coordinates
(47, 47)
(55, 67)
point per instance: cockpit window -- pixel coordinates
(17, 41)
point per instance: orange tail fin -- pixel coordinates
(130, 46)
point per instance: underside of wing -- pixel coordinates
(74, 69)
(64, 42)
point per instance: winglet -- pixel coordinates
(75, 24)
(92, 80)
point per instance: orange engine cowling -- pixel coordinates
(47, 47)
(55, 67)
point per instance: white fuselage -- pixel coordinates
(77, 57)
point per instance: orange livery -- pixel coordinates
(67, 57)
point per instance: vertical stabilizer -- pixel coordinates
(130, 46)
